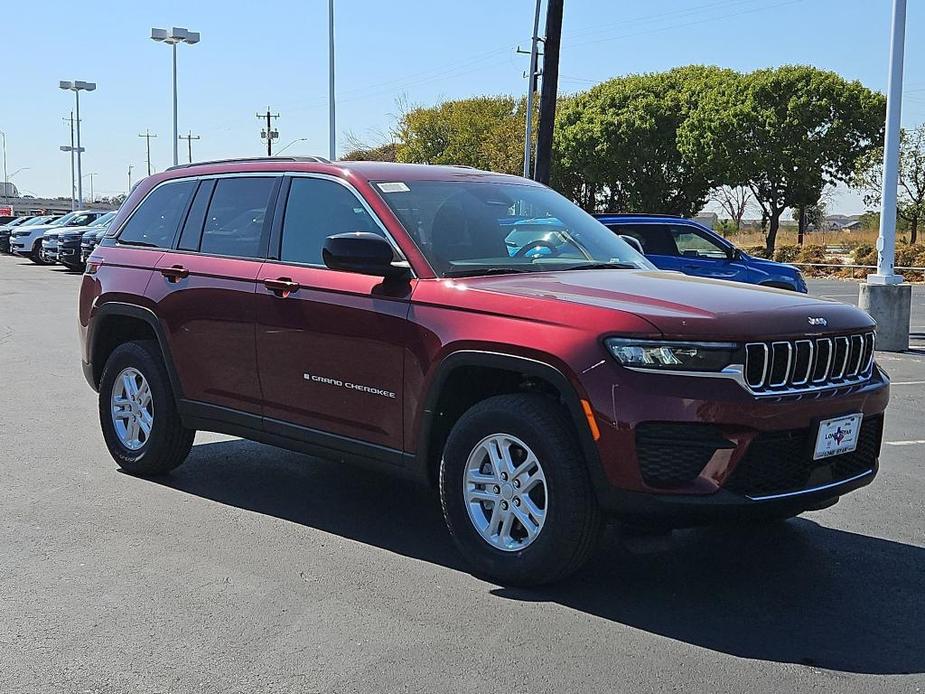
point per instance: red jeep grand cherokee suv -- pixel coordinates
(480, 333)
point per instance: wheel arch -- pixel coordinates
(515, 373)
(115, 323)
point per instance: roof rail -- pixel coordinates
(247, 160)
(656, 215)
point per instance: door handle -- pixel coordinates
(174, 273)
(282, 286)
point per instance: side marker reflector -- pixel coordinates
(592, 423)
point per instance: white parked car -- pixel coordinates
(26, 240)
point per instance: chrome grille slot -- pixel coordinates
(823, 360)
(795, 366)
(840, 356)
(781, 358)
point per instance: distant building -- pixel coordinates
(8, 190)
(708, 219)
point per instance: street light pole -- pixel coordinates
(77, 86)
(6, 179)
(176, 36)
(332, 144)
(884, 296)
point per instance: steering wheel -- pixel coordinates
(539, 243)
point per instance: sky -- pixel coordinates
(275, 54)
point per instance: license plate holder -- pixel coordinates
(837, 436)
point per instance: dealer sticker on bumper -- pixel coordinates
(837, 436)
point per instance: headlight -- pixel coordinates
(672, 356)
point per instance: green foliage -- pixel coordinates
(486, 132)
(386, 152)
(785, 132)
(616, 144)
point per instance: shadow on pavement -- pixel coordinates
(794, 592)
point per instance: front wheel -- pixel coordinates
(515, 491)
(138, 414)
(37, 256)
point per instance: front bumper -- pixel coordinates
(687, 450)
(69, 255)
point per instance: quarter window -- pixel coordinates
(317, 208)
(155, 221)
(234, 223)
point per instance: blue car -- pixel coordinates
(676, 243)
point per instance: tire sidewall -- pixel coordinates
(134, 355)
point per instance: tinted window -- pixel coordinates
(655, 239)
(192, 227)
(695, 244)
(234, 223)
(316, 209)
(155, 221)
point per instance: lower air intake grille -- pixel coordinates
(672, 454)
(782, 461)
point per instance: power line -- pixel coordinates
(147, 136)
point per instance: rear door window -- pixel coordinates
(154, 223)
(235, 221)
(656, 239)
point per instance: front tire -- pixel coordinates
(138, 412)
(515, 491)
(36, 255)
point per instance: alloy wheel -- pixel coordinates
(505, 492)
(132, 408)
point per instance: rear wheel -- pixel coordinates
(138, 413)
(515, 491)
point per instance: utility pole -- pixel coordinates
(130, 167)
(531, 87)
(189, 137)
(147, 136)
(269, 133)
(91, 175)
(550, 90)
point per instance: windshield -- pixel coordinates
(63, 221)
(104, 220)
(476, 228)
(38, 220)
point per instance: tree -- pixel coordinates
(386, 152)
(616, 144)
(734, 201)
(486, 132)
(785, 133)
(911, 194)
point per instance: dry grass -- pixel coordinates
(788, 237)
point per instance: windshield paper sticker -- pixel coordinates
(394, 187)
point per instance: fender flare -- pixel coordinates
(510, 362)
(121, 309)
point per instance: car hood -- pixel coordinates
(687, 307)
(28, 231)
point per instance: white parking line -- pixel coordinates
(904, 443)
(907, 383)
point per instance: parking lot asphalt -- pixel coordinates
(251, 569)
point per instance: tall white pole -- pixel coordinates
(332, 144)
(531, 76)
(176, 135)
(6, 180)
(80, 182)
(886, 243)
(73, 191)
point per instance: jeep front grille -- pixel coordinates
(788, 366)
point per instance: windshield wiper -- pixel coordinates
(474, 272)
(603, 266)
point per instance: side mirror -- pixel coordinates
(733, 253)
(634, 242)
(363, 253)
